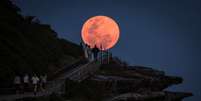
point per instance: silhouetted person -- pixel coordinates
(82, 48)
(17, 83)
(85, 49)
(89, 52)
(35, 81)
(95, 51)
(25, 82)
(43, 81)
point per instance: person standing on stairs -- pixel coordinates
(95, 51)
(17, 83)
(26, 82)
(35, 81)
(43, 81)
(85, 49)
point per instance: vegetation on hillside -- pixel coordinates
(27, 46)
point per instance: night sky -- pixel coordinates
(163, 34)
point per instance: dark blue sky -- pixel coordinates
(163, 34)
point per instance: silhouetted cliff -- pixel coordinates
(26, 46)
(119, 82)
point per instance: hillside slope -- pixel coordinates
(26, 46)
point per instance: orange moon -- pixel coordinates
(101, 31)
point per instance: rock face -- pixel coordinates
(27, 43)
(28, 46)
(137, 83)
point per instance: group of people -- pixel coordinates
(27, 83)
(90, 53)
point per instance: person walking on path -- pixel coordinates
(35, 81)
(25, 82)
(17, 83)
(43, 81)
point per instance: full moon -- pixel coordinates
(101, 31)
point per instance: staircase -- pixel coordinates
(76, 72)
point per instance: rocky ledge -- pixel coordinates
(136, 83)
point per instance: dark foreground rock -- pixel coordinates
(136, 83)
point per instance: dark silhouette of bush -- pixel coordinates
(26, 46)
